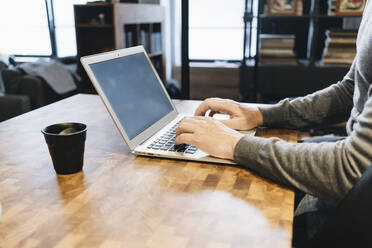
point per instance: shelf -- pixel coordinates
(262, 16)
(334, 66)
(305, 72)
(335, 16)
(94, 26)
(276, 65)
(321, 65)
(303, 65)
(297, 63)
(102, 27)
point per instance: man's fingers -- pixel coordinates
(211, 113)
(184, 138)
(197, 119)
(194, 120)
(202, 109)
(218, 106)
(206, 105)
(186, 126)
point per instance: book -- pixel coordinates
(337, 61)
(344, 41)
(299, 9)
(340, 47)
(340, 51)
(277, 41)
(342, 34)
(281, 53)
(277, 49)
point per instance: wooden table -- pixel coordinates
(121, 200)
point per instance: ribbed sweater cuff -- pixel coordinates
(247, 150)
(273, 114)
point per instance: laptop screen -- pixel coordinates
(133, 91)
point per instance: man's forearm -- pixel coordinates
(326, 170)
(316, 169)
(330, 105)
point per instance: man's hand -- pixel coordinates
(209, 135)
(241, 117)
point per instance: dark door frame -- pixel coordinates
(185, 64)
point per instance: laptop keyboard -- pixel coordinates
(166, 142)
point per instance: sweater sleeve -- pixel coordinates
(330, 105)
(326, 170)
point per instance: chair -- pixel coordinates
(350, 224)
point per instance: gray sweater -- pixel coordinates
(326, 170)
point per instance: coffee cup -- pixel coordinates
(66, 143)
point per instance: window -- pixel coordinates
(24, 28)
(216, 29)
(65, 26)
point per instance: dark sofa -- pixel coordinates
(24, 93)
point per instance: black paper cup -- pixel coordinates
(66, 142)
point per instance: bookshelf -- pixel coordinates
(302, 52)
(102, 27)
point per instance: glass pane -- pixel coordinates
(216, 44)
(24, 28)
(216, 34)
(66, 41)
(65, 26)
(216, 13)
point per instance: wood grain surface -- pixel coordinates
(120, 200)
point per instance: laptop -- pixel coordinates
(139, 104)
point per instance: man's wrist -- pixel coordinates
(253, 115)
(235, 141)
(259, 117)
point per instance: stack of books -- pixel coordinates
(340, 47)
(332, 5)
(300, 8)
(277, 49)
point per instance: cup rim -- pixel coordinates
(69, 123)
